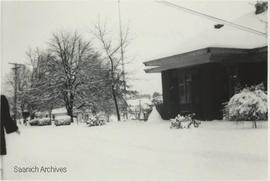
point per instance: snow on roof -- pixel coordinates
(61, 110)
(251, 20)
(230, 37)
(227, 36)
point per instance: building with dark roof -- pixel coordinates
(203, 75)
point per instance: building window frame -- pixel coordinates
(184, 87)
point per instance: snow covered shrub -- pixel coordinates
(250, 104)
(184, 121)
(176, 122)
(157, 98)
(95, 121)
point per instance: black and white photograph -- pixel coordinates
(134, 90)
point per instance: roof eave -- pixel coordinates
(196, 57)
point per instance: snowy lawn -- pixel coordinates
(140, 150)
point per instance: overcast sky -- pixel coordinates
(155, 29)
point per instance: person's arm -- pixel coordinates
(8, 123)
(10, 126)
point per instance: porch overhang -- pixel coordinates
(203, 56)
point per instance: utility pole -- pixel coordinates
(15, 68)
(122, 58)
(121, 45)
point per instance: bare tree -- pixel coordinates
(70, 73)
(8, 84)
(72, 65)
(112, 51)
(22, 83)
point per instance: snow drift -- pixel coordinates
(154, 116)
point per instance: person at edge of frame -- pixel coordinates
(7, 123)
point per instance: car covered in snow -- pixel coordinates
(62, 120)
(40, 122)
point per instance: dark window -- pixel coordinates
(184, 86)
(234, 84)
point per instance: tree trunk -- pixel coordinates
(69, 108)
(113, 90)
(71, 115)
(50, 113)
(116, 104)
(254, 124)
(69, 105)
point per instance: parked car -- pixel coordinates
(33, 122)
(62, 120)
(40, 122)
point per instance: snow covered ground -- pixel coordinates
(140, 150)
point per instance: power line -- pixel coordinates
(243, 28)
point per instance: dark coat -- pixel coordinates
(7, 123)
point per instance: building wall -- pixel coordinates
(212, 78)
(170, 93)
(253, 73)
(212, 86)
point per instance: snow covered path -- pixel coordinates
(140, 150)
